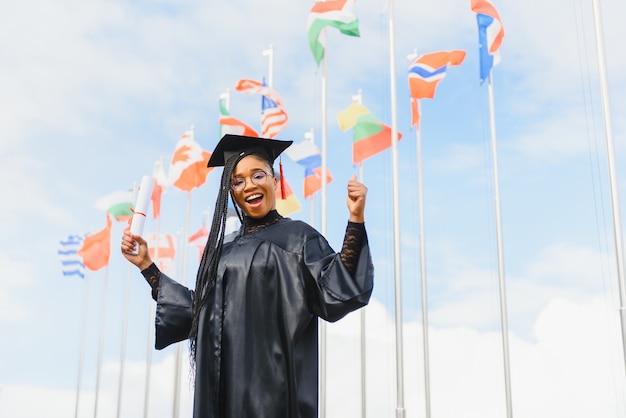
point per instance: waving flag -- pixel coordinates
(248, 86)
(167, 251)
(231, 125)
(308, 155)
(96, 248)
(71, 262)
(160, 186)
(188, 167)
(273, 118)
(490, 35)
(117, 204)
(425, 73)
(198, 239)
(273, 115)
(290, 204)
(369, 135)
(335, 13)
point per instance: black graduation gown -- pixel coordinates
(257, 345)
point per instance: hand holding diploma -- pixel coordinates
(141, 208)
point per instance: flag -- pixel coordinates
(198, 239)
(347, 118)
(425, 73)
(490, 35)
(188, 167)
(167, 251)
(231, 125)
(118, 204)
(308, 155)
(96, 248)
(290, 203)
(427, 70)
(71, 262)
(369, 135)
(273, 118)
(248, 86)
(160, 186)
(335, 13)
(273, 115)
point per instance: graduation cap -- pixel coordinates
(231, 145)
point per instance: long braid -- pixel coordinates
(211, 255)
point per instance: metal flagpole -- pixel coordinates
(418, 133)
(608, 127)
(310, 136)
(322, 324)
(400, 411)
(124, 330)
(423, 280)
(503, 310)
(82, 343)
(358, 98)
(179, 349)
(101, 344)
(157, 165)
(123, 347)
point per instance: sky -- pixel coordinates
(92, 93)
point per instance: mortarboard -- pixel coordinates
(231, 145)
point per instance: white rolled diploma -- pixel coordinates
(141, 208)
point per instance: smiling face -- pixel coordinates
(255, 200)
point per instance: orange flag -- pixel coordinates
(188, 167)
(96, 248)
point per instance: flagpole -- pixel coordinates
(501, 278)
(82, 343)
(425, 340)
(101, 344)
(608, 127)
(179, 352)
(270, 53)
(152, 308)
(358, 98)
(400, 411)
(123, 346)
(322, 324)
(124, 331)
(310, 136)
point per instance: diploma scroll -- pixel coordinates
(141, 208)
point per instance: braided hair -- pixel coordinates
(207, 272)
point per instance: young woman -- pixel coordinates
(252, 318)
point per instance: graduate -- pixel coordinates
(252, 319)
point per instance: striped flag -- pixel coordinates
(490, 35)
(117, 204)
(425, 73)
(273, 115)
(335, 13)
(231, 125)
(308, 155)
(273, 118)
(71, 262)
(369, 135)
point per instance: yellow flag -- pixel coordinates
(347, 118)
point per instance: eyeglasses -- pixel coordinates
(258, 178)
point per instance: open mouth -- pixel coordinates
(253, 199)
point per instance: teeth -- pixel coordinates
(254, 196)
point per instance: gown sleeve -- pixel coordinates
(332, 289)
(174, 307)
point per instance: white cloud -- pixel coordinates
(16, 276)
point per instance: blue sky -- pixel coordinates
(93, 93)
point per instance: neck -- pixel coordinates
(254, 224)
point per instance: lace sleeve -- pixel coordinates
(152, 274)
(352, 243)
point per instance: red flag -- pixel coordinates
(96, 248)
(188, 167)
